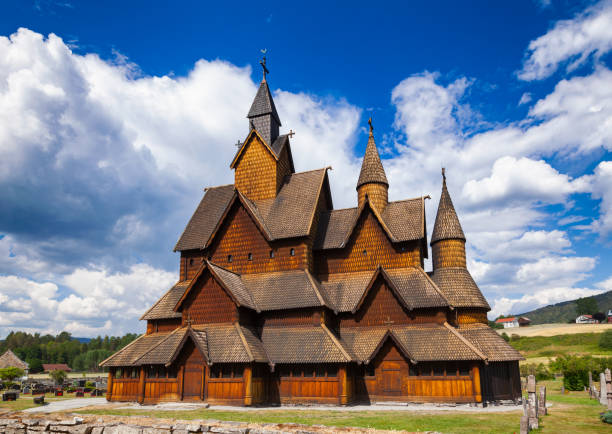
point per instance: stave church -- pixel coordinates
(282, 299)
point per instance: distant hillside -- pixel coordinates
(566, 311)
(83, 340)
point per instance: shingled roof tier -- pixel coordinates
(420, 343)
(459, 288)
(303, 344)
(447, 224)
(404, 220)
(128, 355)
(345, 291)
(489, 342)
(289, 215)
(164, 307)
(263, 104)
(9, 358)
(371, 168)
(231, 343)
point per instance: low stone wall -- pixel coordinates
(79, 425)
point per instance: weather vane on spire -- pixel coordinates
(370, 124)
(262, 62)
(444, 173)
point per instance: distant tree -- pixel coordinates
(10, 373)
(599, 316)
(35, 365)
(58, 376)
(605, 340)
(586, 306)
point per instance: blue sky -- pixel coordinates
(113, 119)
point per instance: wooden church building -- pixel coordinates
(283, 299)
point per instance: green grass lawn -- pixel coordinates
(572, 412)
(550, 346)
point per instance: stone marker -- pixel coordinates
(542, 402)
(603, 394)
(532, 399)
(609, 387)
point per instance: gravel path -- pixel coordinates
(67, 404)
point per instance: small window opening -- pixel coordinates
(191, 262)
(229, 258)
(271, 253)
(365, 252)
(210, 258)
(250, 256)
(292, 252)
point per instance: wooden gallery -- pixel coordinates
(283, 299)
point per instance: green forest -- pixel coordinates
(35, 349)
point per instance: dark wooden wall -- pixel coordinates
(163, 325)
(501, 381)
(370, 238)
(209, 303)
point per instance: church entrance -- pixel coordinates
(391, 378)
(193, 377)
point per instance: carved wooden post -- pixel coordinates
(109, 385)
(542, 402)
(603, 392)
(609, 388)
(532, 399)
(477, 392)
(181, 377)
(343, 385)
(141, 386)
(248, 385)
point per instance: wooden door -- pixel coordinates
(391, 378)
(193, 377)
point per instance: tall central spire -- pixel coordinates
(262, 115)
(372, 178)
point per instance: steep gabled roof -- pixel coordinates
(129, 354)
(489, 342)
(263, 104)
(401, 221)
(289, 215)
(231, 343)
(371, 168)
(206, 218)
(447, 224)
(164, 307)
(9, 358)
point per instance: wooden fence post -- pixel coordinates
(532, 399)
(524, 420)
(609, 388)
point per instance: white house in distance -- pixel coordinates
(513, 321)
(586, 319)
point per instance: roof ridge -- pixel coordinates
(317, 290)
(438, 290)
(244, 341)
(218, 186)
(156, 345)
(337, 343)
(121, 350)
(309, 171)
(467, 342)
(160, 299)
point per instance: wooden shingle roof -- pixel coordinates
(231, 343)
(128, 355)
(263, 104)
(458, 286)
(9, 358)
(303, 344)
(371, 168)
(489, 342)
(164, 307)
(447, 224)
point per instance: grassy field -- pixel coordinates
(555, 329)
(551, 346)
(570, 412)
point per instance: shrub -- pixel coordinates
(540, 371)
(58, 376)
(505, 336)
(606, 417)
(605, 340)
(515, 337)
(576, 369)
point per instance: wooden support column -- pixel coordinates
(248, 385)
(203, 382)
(109, 385)
(181, 377)
(476, 380)
(141, 386)
(342, 378)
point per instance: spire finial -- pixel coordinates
(262, 62)
(370, 124)
(443, 174)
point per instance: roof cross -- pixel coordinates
(370, 124)
(291, 133)
(188, 321)
(389, 322)
(262, 62)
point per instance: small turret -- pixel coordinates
(447, 239)
(372, 179)
(262, 115)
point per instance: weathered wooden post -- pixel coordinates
(603, 392)
(542, 401)
(532, 399)
(609, 387)
(590, 385)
